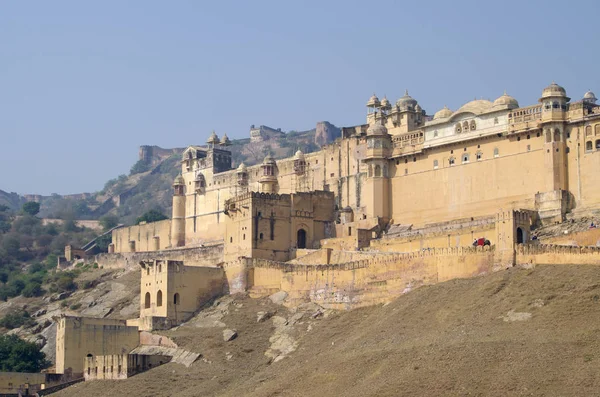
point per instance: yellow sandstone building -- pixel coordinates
(403, 182)
(393, 204)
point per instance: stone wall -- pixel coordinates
(542, 254)
(367, 281)
(209, 256)
(120, 366)
(144, 237)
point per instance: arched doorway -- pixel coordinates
(301, 241)
(147, 301)
(519, 235)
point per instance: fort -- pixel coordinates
(391, 205)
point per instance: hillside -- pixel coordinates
(148, 186)
(515, 332)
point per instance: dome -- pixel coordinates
(213, 138)
(477, 106)
(299, 155)
(443, 113)
(225, 140)
(506, 100)
(553, 90)
(374, 101)
(242, 167)
(385, 103)
(590, 97)
(418, 108)
(268, 160)
(179, 180)
(406, 101)
(377, 129)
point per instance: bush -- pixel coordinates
(31, 208)
(75, 306)
(151, 216)
(95, 266)
(32, 289)
(16, 319)
(17, 355)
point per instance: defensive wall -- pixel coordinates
(361, 282)
(207, 256)
(548, 254)
(152, 236)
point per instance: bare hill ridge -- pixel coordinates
(148, 185)
(515, 332)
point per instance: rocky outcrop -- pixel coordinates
(326, 133)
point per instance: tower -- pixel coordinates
(268, 180)
(379, 148)
(552, 202)
(178, 222)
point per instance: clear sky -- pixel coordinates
(84, 84)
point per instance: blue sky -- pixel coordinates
(84, 84)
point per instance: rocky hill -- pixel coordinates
(148, 186)
(515, 332)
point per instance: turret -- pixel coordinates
(268, 180)
(178, 221)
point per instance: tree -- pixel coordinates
(3, 208)
(11, 244)
(17, 355)
(108, 222)
(151, 216)
(31, 207)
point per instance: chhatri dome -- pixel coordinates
(373, 101)
(242, 167)
(377, 129)
(442, 113)
(554, 90)
(589, 97)
(506, 100)
(406, 101)
(178, 180)
(299, 155)
(385, 103)
(213, 138)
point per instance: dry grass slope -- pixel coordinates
(463, 337)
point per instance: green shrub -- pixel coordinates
(16, 319)
(17, 355)
(32, 289)
(95, 266)
(75, 306)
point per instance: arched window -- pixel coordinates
(148, 271)
(495, 120)
(458, 129)
(496, 152)
(377, 170)
(473, 125)
(465, 126)
(435, 164)
(588, 130)
(588, 146)
(597, 129)
(159, 298)
(451, 161)
(520, 236)
(556, 135)
(261, 236)
(555, 105)
(548, 136)
(147, 301)
(370, 170)
(435, 134)
(465, 158)
(176, 299)
(160, 268)
(478, 156)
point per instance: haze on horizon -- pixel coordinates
(83, 85)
